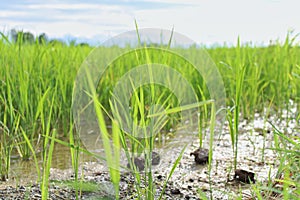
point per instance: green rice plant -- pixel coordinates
(79, 185)
(287, 174)
(5, 148)
(47, 154)
(46, 168)
(149, 140)
(233, 121)
(34, 155)
(5, 153)
(141, 98)
(211, 139)
(269, 70)
(230, 120)
(74, 150)
(139, 133)
(27, 72)
(138, 145)
(203, 114)
(110, 152)
(240, 75)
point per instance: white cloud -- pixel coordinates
(224, 21)
(85, 20)
(206, 21)
(79, 6)
(176, 1)
(11, 13)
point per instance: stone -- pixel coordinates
(201, 156)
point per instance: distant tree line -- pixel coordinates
(27, 37)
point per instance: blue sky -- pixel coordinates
(204, 21)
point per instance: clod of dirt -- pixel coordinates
(244, 176)
(175, 191)
(2, 178)
(140, 162)
(155, 158)
(201, 156)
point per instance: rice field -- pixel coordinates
(37, 84)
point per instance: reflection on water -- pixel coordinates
(25, 170)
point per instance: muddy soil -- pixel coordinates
(255, 156)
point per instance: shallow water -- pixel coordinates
(24, 171)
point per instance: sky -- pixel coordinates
(204, 21)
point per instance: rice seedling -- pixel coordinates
(286, 183)
(47, 154)
(74, 150)
(233, 121)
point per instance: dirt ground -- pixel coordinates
(254, 155)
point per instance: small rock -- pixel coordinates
(175, 191)
(244, 176)
(201, 156)
(22, 189)
(139, 163)
(155, 158)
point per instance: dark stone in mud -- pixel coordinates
(244, 176)
(140, 162)
(155, 158)
(175, 191)
(3, 178)
(201, 156)
(159, 177)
